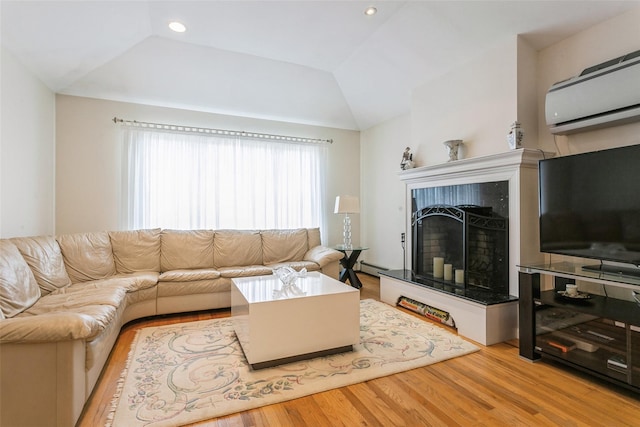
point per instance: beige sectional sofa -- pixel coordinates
(64, 299)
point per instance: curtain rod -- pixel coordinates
(210, 131)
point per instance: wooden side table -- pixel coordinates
(347, 262)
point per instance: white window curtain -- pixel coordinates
(193, 181)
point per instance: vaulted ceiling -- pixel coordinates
(315, 62)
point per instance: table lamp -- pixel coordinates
(347, 205)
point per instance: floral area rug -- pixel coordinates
(183, 373)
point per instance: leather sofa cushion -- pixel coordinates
(129, 282)
(141, 280)
(235, 248)
(18, 287)
(284, 245)
(322, 255)
(79, 300)
(189, 275)
(136, 250)
(97, 306)
(186, 249)
(195, 287)
(245, 271)
(44, 257)
(314, 237)
(87, 256)
(142, 296)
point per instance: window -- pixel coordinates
(195, 181)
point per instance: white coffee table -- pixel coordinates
(274, 329)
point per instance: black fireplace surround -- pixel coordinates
(468, 226)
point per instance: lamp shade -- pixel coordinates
(347, 205)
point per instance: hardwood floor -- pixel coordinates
(492, 387)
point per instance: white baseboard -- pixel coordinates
(371, 269)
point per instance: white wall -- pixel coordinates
(477, 103)
(27, 148)
(606, 40)
(383, 195)
(89, 159)
(527, 92)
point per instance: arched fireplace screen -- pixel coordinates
(471, 238)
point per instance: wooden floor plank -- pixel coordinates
(425, 383)
(492, 387)
(306, 411)
(396, 396)
(376, 407)
(338, 409)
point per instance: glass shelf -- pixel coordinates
(350, 248)
(597, 305)
(577, 271)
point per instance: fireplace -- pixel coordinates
(480, 214)
(467, 225)
(470, 238)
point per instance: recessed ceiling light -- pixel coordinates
(370, 11)
(178, 27)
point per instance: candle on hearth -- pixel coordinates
(459, 276)
(448, 272)
(438, 267)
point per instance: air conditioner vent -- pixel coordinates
(610, 63)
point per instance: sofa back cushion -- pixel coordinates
(235, 248)
(44, 257)
(284, 245)
(186, 249)
(313, 234)
(18, 288)
(87, 256)
(136, 250)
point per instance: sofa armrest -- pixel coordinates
(322, 255)
(42, 384)
(52, 327)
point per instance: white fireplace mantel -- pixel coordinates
(494, 323)
(476, 167)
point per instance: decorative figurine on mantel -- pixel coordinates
(453, 145)
(407, 159)
(515, 136)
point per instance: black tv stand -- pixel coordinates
(599, 335)
(614, 270)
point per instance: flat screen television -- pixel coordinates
(590, 207)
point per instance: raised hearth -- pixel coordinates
(470, 293)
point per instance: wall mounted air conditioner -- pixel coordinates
(606, 94)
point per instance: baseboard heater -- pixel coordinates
(371, 269)
(426, 310)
